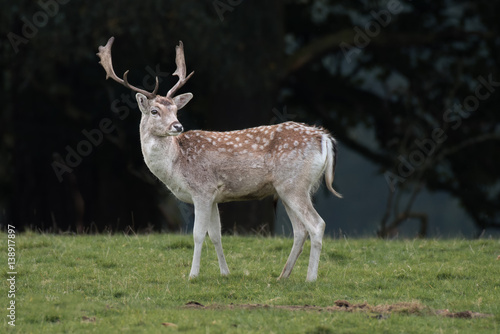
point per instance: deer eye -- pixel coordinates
(154, 112)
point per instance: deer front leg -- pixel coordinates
(202, 215)
(214, 231)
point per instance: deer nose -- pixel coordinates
(177, 127)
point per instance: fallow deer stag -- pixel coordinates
(205, 168)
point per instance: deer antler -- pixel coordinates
(181, 69)
(106, 62)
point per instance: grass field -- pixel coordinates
(118, 283)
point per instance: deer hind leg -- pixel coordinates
(299, 237)
(316, 233)
(214, 231)
(303, 209)
(202, 216)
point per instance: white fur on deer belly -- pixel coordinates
(242, 190)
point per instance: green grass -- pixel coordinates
(112, 284)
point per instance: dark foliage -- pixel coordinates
(420, 78)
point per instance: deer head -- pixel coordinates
(159, 113)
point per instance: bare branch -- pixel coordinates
(467, 143)
(332, 42)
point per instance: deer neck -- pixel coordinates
(160, 154)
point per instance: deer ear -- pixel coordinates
(142, 101)
(181, 100)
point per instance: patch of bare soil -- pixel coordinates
(414, 308)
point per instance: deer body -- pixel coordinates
(236, 165)
(205, 168)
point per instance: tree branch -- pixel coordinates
(467, 143)
(386, 39)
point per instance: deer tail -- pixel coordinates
(331, 162)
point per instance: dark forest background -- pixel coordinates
(412, 87)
